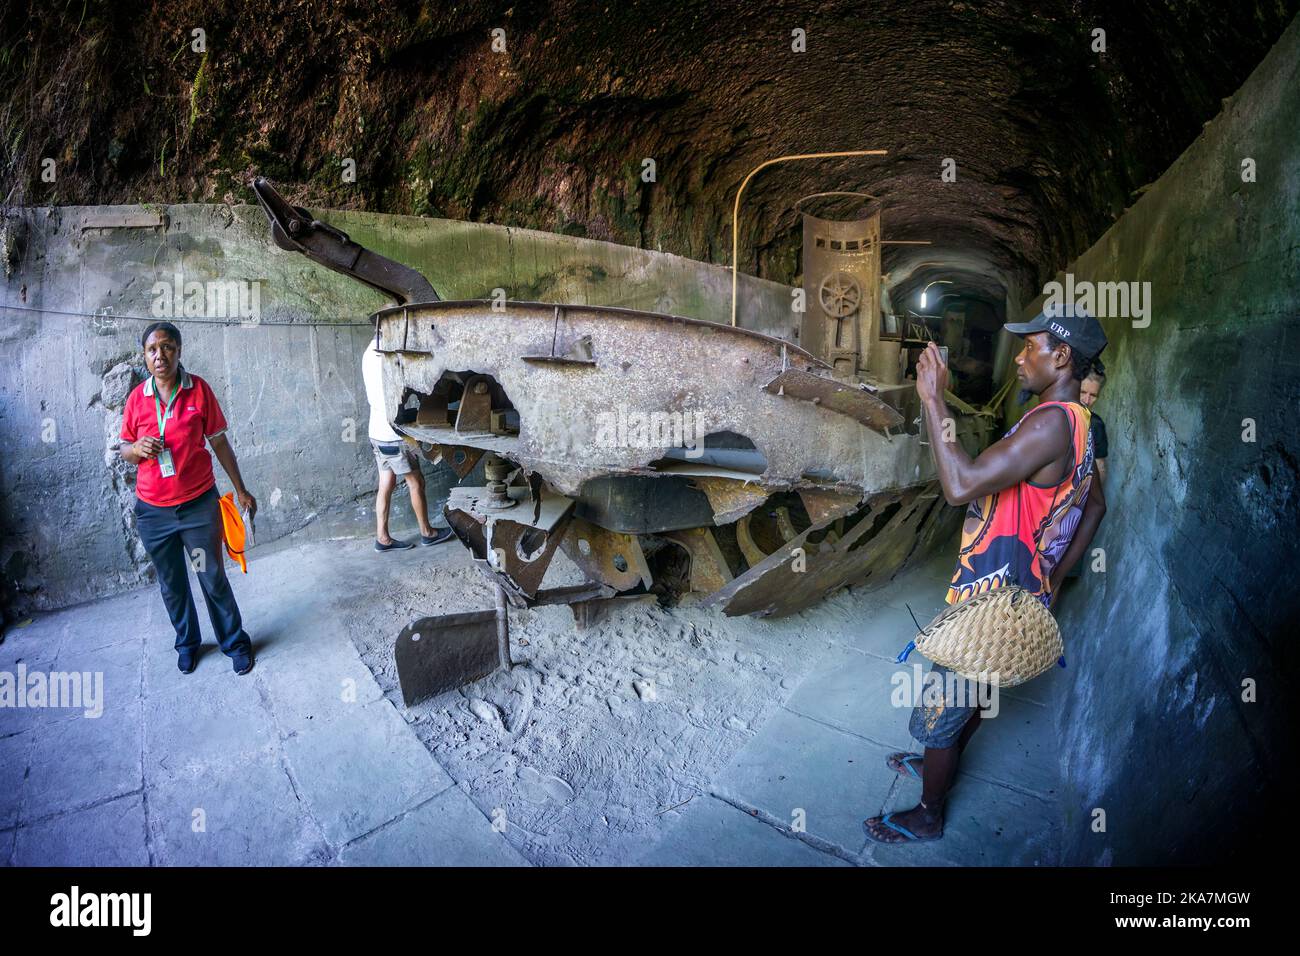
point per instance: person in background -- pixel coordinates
(167, 419)
(394, 458)
(1089, 392)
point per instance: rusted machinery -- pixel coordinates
(663, 454)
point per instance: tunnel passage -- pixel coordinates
(1124, 162)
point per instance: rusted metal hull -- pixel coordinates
(644, 364)
(594, 405)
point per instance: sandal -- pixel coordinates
(887, 820)
(901, 764)
(904, 764)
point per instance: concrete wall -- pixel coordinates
(290, 387)
(1199, 590)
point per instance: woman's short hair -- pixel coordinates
(165, 327)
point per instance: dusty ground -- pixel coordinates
(597, 733)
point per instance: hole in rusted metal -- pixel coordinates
(531, 542)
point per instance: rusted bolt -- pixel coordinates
(480, 388)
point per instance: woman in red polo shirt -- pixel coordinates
(167, 419)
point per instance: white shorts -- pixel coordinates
(395, 456)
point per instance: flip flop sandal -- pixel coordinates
(906, 768)
(905, 761)
(887, 820)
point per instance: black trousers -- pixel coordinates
(184, 536)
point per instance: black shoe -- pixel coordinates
(187, 659)
(439, 536)
(397, 545)
(243, 662)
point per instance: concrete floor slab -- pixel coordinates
(712, 832)
(122, 669)
(924, 583)
(99, 686)
(198, 726)
(327, 682)
(120, 624)
(1019, 747)
(885, 632)
(83, 761)
(288, 770)
(985, 825)
(35, 644)
(24, 651)
(23, 720)
(361, 771)
(110, 834)
(284, 622)
(795, 763)
(89, 652)
(446, 831)
(249, 818)
(14, 752)
(918, 595)
(855, 692)
(161, 675)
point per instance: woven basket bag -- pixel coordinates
(1002, 637)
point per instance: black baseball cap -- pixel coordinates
(1067, 322)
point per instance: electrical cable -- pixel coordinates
(187, 320)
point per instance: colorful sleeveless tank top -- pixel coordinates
(1018, 535)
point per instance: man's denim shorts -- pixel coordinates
(940, 723)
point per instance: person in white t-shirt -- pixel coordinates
(394, 457)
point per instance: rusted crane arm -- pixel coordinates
(294, 230)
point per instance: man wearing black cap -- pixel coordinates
(1033, 508)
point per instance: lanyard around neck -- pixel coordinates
(162, 418)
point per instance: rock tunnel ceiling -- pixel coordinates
(1051, 139)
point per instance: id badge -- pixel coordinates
(165, 465)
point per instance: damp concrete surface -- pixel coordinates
(656, 736)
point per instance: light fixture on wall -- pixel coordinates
(927, 288)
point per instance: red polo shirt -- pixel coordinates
(194, 417)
